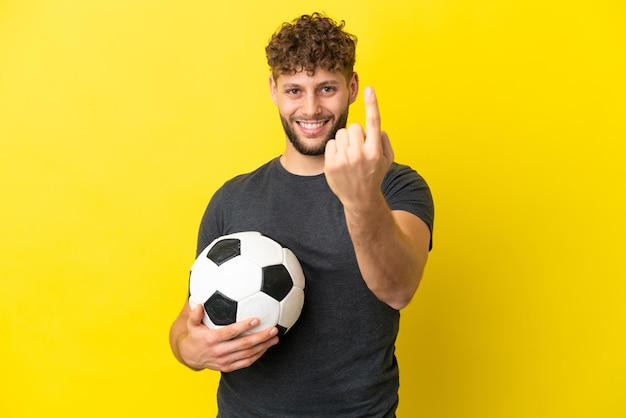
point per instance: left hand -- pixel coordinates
(356, 161)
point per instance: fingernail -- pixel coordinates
(369, 91)
(274, 331)
(254, 322)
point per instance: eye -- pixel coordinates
(328, 89)
(292, 92)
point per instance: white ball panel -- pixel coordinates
(202, 282)
(293, 267)
(239, 278)
(260, 306)
(201, 279)
(290, 307)
(263, 250)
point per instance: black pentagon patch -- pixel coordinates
(281, 331)
(276, 281)
(224, 250)
(221, 309)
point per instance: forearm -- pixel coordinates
(391, 250)
(178, 331)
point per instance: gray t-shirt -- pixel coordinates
(338, 360)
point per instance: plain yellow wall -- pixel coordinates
(118, 120)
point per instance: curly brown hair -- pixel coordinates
(310, 42)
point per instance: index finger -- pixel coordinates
(372, 116)
(237, 329)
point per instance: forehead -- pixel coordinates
(303, 78)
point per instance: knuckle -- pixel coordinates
(355, 129)
(246, 343)
(225, 367)
(374, 118)
(230, 332)
(218, 352)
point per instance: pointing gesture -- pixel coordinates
(356, 161)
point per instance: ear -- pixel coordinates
(353, 86)
(273, 89)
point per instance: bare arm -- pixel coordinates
(391, 246)
(198, 347)
(391, 249)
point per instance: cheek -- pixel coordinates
(339, 107)
(286, 108)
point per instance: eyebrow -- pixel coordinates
(323, 83)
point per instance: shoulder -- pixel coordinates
(250, 179)
(401, 176)
(406, 190)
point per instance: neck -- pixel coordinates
(302, 165)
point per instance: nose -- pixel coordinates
(311, 105)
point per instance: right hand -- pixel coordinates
(223, 349)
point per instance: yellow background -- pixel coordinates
(118, 120)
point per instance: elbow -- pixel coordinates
(407, 283)
(402, 300)
(400, 304)
(403, 295)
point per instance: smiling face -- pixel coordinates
(313, 107)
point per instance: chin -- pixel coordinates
(312, 148)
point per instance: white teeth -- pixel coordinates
(311, 125)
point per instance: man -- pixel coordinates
(359, 223)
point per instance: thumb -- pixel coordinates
(196, 314)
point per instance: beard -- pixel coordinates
(318, 149)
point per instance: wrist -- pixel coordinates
(367, 209)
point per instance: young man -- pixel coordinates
(359, 223)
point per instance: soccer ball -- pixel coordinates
(246, 275)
